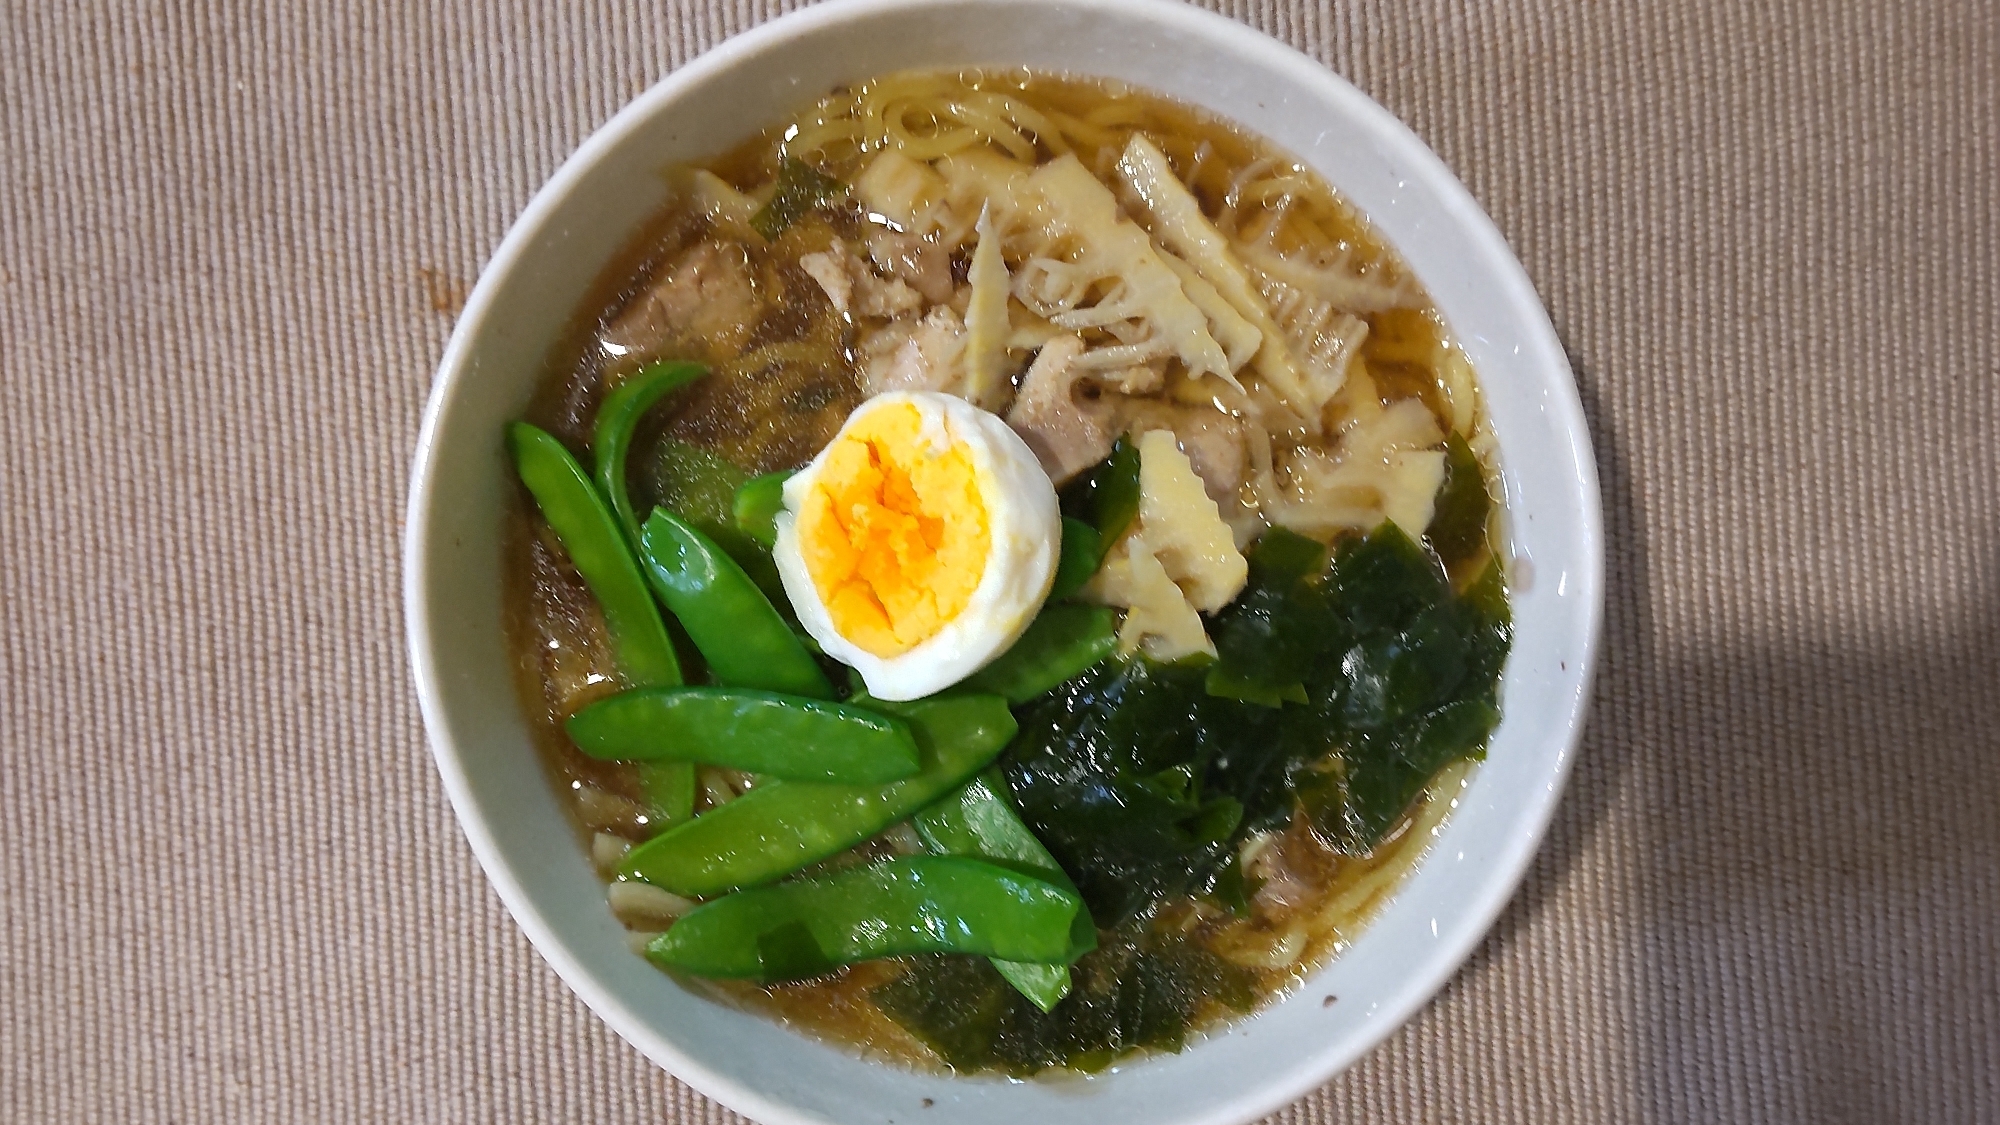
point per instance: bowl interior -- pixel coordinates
(613, 184)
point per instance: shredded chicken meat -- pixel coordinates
(707, 294)
(1067, 432)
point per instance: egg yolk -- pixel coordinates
(893, 532)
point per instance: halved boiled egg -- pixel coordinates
(920, 542)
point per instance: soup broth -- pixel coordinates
(1268, 786)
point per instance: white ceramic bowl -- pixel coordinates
(600, 196)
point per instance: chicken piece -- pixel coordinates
(929, 357)
(856, 289)
(706, 300)
(923, 263)
(875, 345)
(1067, 432)
(829, 268)
(1281, 885)
(1213, 441)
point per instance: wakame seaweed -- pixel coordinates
(1458, 526)
(800, 188)
(1341, 686)
(1138, 989)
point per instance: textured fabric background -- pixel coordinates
(232, 240)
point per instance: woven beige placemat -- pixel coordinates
(232, 240)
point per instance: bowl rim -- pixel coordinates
(1510, 862)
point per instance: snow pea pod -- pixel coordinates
(669, 789)
(730, 620)
(757, 731)
(917, 904)
(1062, 642)
(1081, 554)
(781, 826)
(1107, 497)
(618, 418)
(589, 532)
(668, 785)
(757, 506)
(980, 822)
(700, 488)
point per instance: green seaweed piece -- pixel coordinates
(1385, 580)
(1392, 676)
(1107, 496)
(1082, 553)
(1385, 772)
(1280, 623)
(1458, 521)
(1139, 990)
(1119, 771)
(1106, 771)
(801, 188)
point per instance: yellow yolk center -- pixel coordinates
(893, 533)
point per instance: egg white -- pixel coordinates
(1024, 530)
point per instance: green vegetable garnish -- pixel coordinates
(1063, 642)
(1123, 771)
(583, 519)
(781, 826)
(1458, 523)
(1265, 639)
(800, 189)
(739, 633)
(917, 904)
(757, 505)
(669, 786)
(1137, 989)
(618, 418)
(979, 821)
(1107, 497)
(589, 532)
(1082, 553)
(756, 731)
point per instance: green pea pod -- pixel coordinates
(1082, 552)
(1107, 497)
(668, 785)
(1118, 492)
(700, 488)
(757, 731)
(757, 506)
(917, 904)
(669, 789)
(781, 826)
(589, 532)
(617, 420)
(730, 620)
(979, 821)
(1063, 641)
